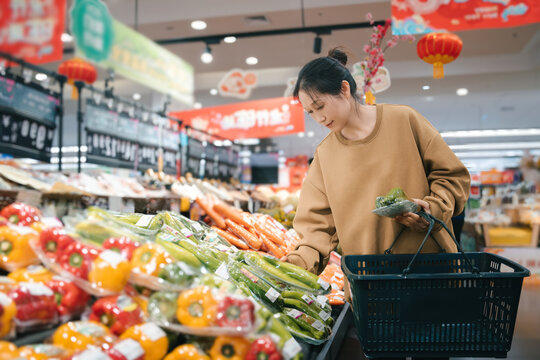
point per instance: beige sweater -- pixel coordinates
(346, 176)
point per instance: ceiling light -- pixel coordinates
(41, 77)
(198, 25)
(213, 92)
(490, 133)
(66, 38)
(462, 91)
(489, 154)
(498, 146)
(197, 105)
(136, 96)
(426, 87)
(301, 135)
(317, 44)
(252, 60)
(230, 39)
(310, 134)
(206, 56)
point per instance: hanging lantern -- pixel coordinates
(77, 70)
(439, 49)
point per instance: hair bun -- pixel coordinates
(339, 55)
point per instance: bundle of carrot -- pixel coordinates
(248, 231)
(333, 275)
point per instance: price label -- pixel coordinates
(319, 326)
(294, 313)
(323, 284)
(37, 289)
(115, 203)
(222, 271)
(187, 233)
(324, 315)
(111, 257)
(92, 354)
(308, 299)
(130, 349)
(144, 220)
(291, 349)
(322, 300)
(272, 295)
(152, 331)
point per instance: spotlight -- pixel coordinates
(206, 56)
(317, 45)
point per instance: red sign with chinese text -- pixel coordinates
(253, 119)
(424, 16)
(32, 29)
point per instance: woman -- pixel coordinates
(369, 150)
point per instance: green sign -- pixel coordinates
(111, 44)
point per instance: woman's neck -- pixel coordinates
(361, 123)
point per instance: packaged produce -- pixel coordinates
(149, 259)
(118, 313)
(152, 339)
(42, 352)
(15, 249)
(162, 306)
(110, 272)
(8, 351)
(32, 273)
(263, 348)
(7, 284)
(53, 241)
(70, 299)
(21, 214)
(90, 353)
(8, 311)
(196, 307)
(127, 349)
(229, 348)
(187, 352)
(36, 306)
(79, 335)
(123, 245)
(394, 203)
(77, 259)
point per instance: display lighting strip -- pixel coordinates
(490, 133)
(494, 154)
(498, 146)
(68, 149)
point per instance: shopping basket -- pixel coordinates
(434, 305)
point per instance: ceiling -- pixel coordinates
(500, 67)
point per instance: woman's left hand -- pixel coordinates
(414, 221)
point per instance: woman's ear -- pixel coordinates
(346, 89)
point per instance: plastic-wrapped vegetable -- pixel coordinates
(8, 351)
(42, 351)
(32, 273)
(186, 352)
(127, 349)
(152, 339)
(15, 249)
(79, 335)
(70, 299)
(8, 311)
(229, 348)
(36, 306)
(117, 312)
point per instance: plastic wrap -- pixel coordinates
(15, 249)
(79, 335)
(36, 306)
(397, 208)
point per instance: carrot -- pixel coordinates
(243, 234)
(269, 234)
(229, 213)
(231, 239)
(276, 251)
(210, 212)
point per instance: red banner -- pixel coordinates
(423, 16)
(253, 119)
(32, 29)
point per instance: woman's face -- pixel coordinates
(332, 111)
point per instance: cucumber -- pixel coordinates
(177, 252)
(307, 309)
(295, 272)
(306, 322)
(298, 295)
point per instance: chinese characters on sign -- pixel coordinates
(32, 29)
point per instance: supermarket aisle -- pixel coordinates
(526, 343)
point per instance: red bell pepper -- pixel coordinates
(263, 348)
(125, 246)
(117, 312)
(34, 301)
(53, 241)
(77, 259)
(127, 349)
(21, 214)
(70, 299)
(234, 312)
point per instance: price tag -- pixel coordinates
(319, 326)
(152, 331)
(294, 313)
(196, 226)
(338, 275)
(291, 349)
(222, 271)
(115, 203)
(130, 349)
(307, 299)
(144, 220)
(37, 289)
(187, 233)
(272, 295)
(92, 354)
(323, 284)
(322, 300)
(335, 287)
(111, 257)
(324, 315)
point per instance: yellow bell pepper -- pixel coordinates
(110, 271)
(42, 352)
(149, 258)
(78, 335)
(186, 352)
(8, 351)
(15, 250)
(196, 307)
(229, 348)
(7, 284)
(142, 302)
(7, 317)
(32, 273)
(152, 339)
(38, 226)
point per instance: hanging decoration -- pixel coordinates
(439, 49)
(237, 83)
(374, 50)
(381, 80)
(77, 70)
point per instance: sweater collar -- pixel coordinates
(368, 138)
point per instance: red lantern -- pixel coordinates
(78, 70)
(439, 49)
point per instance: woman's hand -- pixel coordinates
(414, 221)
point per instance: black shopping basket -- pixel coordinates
(434, 305)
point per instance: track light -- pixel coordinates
(206, 56)
(317, 44)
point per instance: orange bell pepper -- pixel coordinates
(110, 271)
(78, 335)
(152, 339)
(8, 351)
(186, 352)
(7, 317)
(196, 307)
(7, 284)
(42, 352)
(32, 273)
(15, 250)
(149, 259)
(229, 348)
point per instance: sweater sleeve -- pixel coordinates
(449, 181)
(314, 223)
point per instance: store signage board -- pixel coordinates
(31, 30)
(253, 119)
(110, 44)
(420, 17)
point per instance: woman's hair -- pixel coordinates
(325, 74)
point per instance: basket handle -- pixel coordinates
(432, 220)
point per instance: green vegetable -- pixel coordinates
(296, 272)
(298, 295)
(162, 306)
(258, 261)
(309, 310)
(395, 195)
(177, 274)
(176, 251)
(306, 323)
